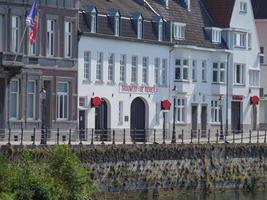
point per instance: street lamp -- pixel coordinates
(221, 118)
(43, 128)
(174, 114)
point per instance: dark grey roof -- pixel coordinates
(260, 9)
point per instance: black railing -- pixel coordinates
(126, 136)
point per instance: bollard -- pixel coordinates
(124, 140)
(113, 137)
(92, 137)
(34, 134)
(57, 135)
(154, 136)
(198, 136)
(249, 136)
(258, 136)
(163, 137)
(21, 137)
(191, 137)
(208, 136)
(70, 136)
(9, 136)
(242, 135)
(134, 136)
(182, 136)
(217, 136)
(46, 135)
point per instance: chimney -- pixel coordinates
(167, 4)
(188, 4)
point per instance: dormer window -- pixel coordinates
(216, 35)
(160, 31)
(93, 22)
(179, 31)
(240, 40)
(243, 7)
(140, 28)
(117, 25)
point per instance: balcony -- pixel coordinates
(218, 88)
(183, 86)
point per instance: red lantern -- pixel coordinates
(96, 102)
(165, 105)
(254, 100)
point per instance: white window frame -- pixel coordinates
(180, 110)
(59, 95)
(179, 31)
(242, 74)
(157, 70)
(120, 112)
(243, 7)
(215, 111)
(160, 31)
(145, 65)
(249, 41)
(140, 28)
(93, 22)
(216, 35)
(51, 37)
(194, 70)
(240, 39)
(99, 66)
(15, 33)
(33, 94)
(17, 100)
(111, 66)
(182, 68)
(117, 25)
(123, 62)
(68, 26)
(87, 65)
(220, 72)
(134, 69)
(254, 78)
(204, 71)
(164, 72)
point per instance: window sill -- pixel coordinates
(99, 82)
(204, 81)
(162, 86)
(215, 123)
(218, 83)
(181, 123)
(239, 85)
(254, 87)
(111, 83)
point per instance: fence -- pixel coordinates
(126, 136)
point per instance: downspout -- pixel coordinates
(170, 89)
(227, 94)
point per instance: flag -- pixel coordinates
(32, 22)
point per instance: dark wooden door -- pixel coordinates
(2, 107)
(138, 120)
(101, 121)
(204, 120)
(236, 117)
(82, 124)
(194, 119)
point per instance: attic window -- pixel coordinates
(117, 25)
(160, 31)
(216, 35)
(93, 22)
(243, 7)
(179, 31)
(140, 28)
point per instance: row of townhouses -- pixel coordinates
(109, 64)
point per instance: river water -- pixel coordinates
(233, 195)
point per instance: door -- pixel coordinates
(101, 122)
(194, 120)
(2, 107)
(236, 117)
(138, 120)
(254, 117)
(204, 120)
(82, 124)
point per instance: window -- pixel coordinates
(181, 69)
(93, 22)
(62, 100)
(160, 31)
(194, 70)
(218, 73)
(254, 78)
(68, 39)
(180, 110)
(216, 36)
(243, 7)
(239, 71)
(32, 48)
(31, 99)
(249, 40)
(215, 111)
(14, 99)
(123, 68)
(204, 71)
(145, 70)
(261, 55)
(240, 40)
(51, 37)
(120, 112)
(164, 72)
(111, 62)
(15, 33)
(87, 65)
(117, 25)
(134, 69)
(140, 28)
(179, 31)
(99, 66)
(156, 70)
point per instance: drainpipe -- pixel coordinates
(227, 94)
(170, 90)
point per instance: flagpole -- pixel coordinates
(20, 44)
